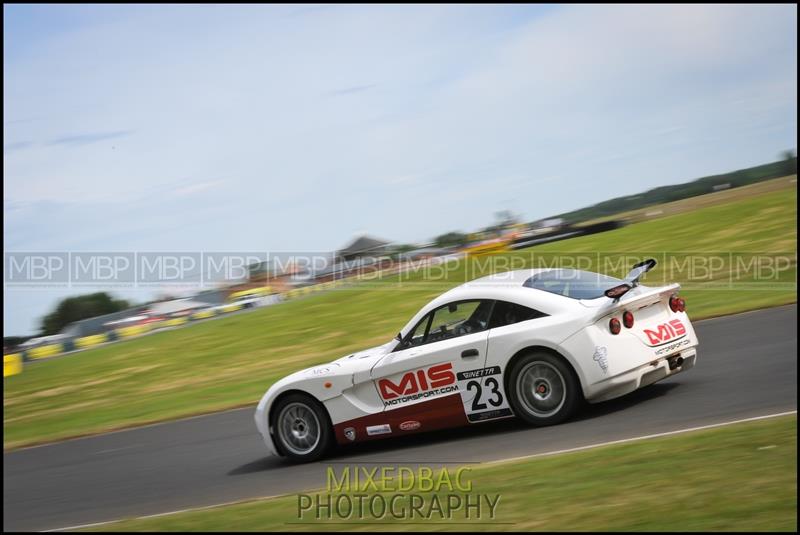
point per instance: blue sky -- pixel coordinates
(216, 128)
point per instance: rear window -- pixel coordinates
(572, 283)
(505, 313)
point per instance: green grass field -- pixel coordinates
(231, 361)
(691, 204)
(741, 477)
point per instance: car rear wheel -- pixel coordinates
(302, 428)
(543, 389)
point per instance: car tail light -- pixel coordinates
(627, 319)
(614, 326)
(677, 304)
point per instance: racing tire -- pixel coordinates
(302, 428)
(543, 389)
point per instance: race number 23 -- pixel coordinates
(495, 397)
(482, 394)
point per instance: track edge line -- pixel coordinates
(488, 463)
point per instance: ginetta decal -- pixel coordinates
(418, 384)
(666, 332)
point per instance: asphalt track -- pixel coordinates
(747, 366)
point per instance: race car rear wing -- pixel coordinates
(631, 279)
(637, 300)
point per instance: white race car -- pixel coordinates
(531, 343)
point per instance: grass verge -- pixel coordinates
(741, 477)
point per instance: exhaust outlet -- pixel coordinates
(675, 362)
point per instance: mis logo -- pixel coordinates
(418, 381)
(665, 332)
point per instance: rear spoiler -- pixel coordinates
(631, 279)
(639, 300)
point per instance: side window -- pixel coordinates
(506, 313)
(416, 337)
(459, 318)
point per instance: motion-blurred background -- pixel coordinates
(199, 200)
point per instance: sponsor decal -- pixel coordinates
(601, 358)
(322, 370)
(418, 384)
(666, 332)
(667, 349)
(410, 425)
(489, 415)
(435, 413)
(382, 429)
(477, 374)
(350, 433)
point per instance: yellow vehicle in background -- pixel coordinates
(250, 297)
(250, 293)
(496, 245)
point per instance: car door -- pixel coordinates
(426, 376)
(507, 321)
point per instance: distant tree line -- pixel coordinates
(14, 341)
(78, 308)
(784, 167)
(451, 239)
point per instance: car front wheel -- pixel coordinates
(543, 389)
(302, 428)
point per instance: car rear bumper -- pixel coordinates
(643, 375)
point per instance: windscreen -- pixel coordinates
(572, 283)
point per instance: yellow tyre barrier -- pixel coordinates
(45, 351)
(202, 314)
(133, 330)
(12, 364)
(89, 341)
(233, 307)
